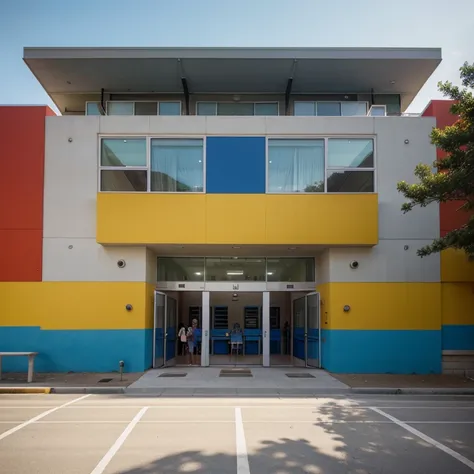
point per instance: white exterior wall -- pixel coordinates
(71, 170)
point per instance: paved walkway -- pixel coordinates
(57, 434)
(207, 380)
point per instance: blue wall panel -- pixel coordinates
(235, 165)
(381, 351)
(458, 338)
(77, 350)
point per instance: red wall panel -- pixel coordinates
(449, 216)
(22, 134)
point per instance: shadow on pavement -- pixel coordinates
(320, 448)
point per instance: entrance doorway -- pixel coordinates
(306, 333)
(236, 330)
(254, 328)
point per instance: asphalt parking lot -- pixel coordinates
(95, 434)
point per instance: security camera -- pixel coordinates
(121, 263)
(354, 264)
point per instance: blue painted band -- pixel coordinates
(77, 350)
(458, 338)
(381, 351)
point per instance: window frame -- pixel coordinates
(157, 102)
(315, 102)
(147, 167)
(238, 102)
(326, 139)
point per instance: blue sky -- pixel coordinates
(323, 23)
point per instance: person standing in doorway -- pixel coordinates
(182, 339)
(192, 336)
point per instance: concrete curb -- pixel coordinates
(25, 390)
(88, 390)
(411, 391)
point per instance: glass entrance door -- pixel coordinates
(171, 331)
(306, 330)
(313, 330)
(164, 330)
(159, 330)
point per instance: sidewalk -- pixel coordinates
(73, 382)
(201, 381)
(409, 384)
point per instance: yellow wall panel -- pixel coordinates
(235, 219)
(318, 219)
(73, 305)
(150, 306)
(326, 219)
(385, 306)
(456, 267)
(151, 218)
(458, 303)
(325, 299)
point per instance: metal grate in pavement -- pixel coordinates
(173, 374)
(300, 375)
(105, 380)
(235, 373)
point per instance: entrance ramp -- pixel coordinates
(225, 381)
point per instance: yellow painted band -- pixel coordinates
(455, 266)
(311, 219)
(379, 306)
(457, 303)
(76, 305)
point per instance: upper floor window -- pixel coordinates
(177, 165)
(136, 108)
(237, 108)
(330, 109)
(295, 166)
(350, 167)
(332, 165)
(174, 165)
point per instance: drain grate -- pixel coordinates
(300, 375)
(173, 374)
(235, 373)
(105, 380)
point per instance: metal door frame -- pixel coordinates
(306, 329)
(156, 292)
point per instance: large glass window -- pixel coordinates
(92, 108)
(123, 164)
(330, 109)
(170, 108)
(123, 152)
(180, 269)
(350, 165)
(120, 108)
(237, 108)
(290, 269)
(235, 269)
(177, 165)
(295, 166)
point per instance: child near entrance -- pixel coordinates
(191, 336)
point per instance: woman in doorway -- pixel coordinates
(191, 336)
(182, 339)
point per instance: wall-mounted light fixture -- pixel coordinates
(129, 307)
(346, 308)
(406, 141)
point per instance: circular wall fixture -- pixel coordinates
(406, 247)
(121, 264)
(70, 247)
(69, 140)
(346, 308)
(129, 307)
(354, 264)
(406, 141)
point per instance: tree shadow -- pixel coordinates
(337, 440)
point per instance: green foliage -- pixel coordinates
(453, 179)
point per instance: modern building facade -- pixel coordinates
(251, 189)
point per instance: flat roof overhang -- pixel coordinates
(64, 71)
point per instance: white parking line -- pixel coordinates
(38, 417)
(120, 440)
(426, 438)
(240, 444)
